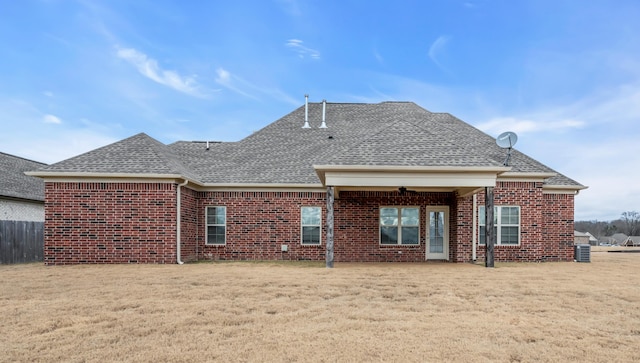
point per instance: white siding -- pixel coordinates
(13, 210)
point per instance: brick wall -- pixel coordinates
(136, 223)
(110, 223)
(546, 223)
(258, 223)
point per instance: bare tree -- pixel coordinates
(630, 223)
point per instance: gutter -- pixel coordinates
(178, 215)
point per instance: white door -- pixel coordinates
(437, 233)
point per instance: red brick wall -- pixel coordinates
(109, 223)
(136, 223)
(190, 234)
(546, 223)
(258, 223)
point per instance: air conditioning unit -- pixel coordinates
(582, 253)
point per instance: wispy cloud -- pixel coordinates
(149, 68)
(437, 48)
(297, 46)
(291, 7)
(51, 119)
(233, 83)
(243, 87)
(528, 125)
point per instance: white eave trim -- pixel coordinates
(408, 176)
(525, 177)
(49, 176)
(562, 189)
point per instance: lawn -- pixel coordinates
(288, 312)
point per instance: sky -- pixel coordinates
(564, 75)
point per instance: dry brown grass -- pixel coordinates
(549, 312)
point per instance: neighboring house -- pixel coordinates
(592, 239)
(606, 241)
(581, 238)
(21, 196)
(385, 182)
(619, 239)
(632, 241)
(21, 210)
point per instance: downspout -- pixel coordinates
(474, 238)
(178, 218)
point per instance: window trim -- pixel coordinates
(497, 215)
(399, 236)
(310, 225)
(207, 225)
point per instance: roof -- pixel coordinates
(14, 183)
(399, 134)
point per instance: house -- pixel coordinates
(632, 241)
(619, 238)
(585, 238)
(21, 196)
(21, 210)
(359, 182)
(580, 238)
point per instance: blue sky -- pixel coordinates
(564, 75)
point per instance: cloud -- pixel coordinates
(437, 48)
(51, 119)
(527, 125)
(149, 68)
(248, 89)
(301, 50)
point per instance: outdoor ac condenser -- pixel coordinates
(582, 253)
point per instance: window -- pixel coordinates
(216, 225)
(506, 220)
(310, 222)
(399, 226)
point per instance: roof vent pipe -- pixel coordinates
(207, 145)
(306, 112)
(324, 108)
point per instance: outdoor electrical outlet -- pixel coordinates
(284, 248)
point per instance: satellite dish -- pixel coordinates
(506, 140)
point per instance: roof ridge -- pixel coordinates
(22, 158)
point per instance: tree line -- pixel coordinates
(628, 223)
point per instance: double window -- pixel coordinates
(311, 225)
(399, 226)
(506, 221)
(216, 225)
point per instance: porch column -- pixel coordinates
(489, 233)
(329, 219)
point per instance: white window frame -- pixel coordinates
(302, 225)
(399, 225)
(497, 221)
(207, 225)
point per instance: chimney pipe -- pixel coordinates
(306, 112)
(324, 108)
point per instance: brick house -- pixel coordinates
(388, 181)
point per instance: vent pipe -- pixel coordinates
(207, 145)
(324, 108)
(306, 112)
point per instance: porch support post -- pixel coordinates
(489, 233)
(329, 242)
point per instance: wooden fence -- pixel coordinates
(21, 241)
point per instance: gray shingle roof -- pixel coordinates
(387, 133)
(14, 183)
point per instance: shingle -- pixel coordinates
(14, 183)
(387, 133)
